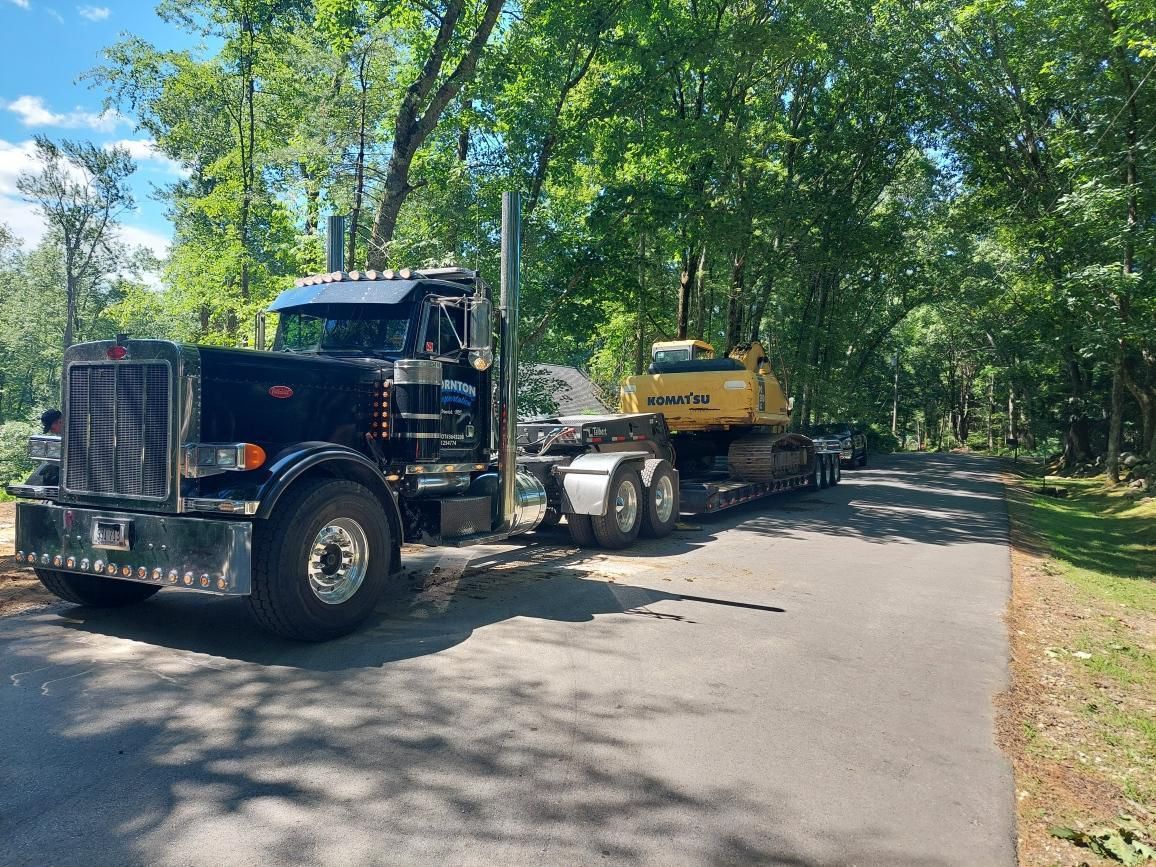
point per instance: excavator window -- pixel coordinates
(663, 356)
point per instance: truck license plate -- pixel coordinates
(110, 534)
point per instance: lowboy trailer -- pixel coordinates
(292, 477)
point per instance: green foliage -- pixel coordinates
(15, 465)
(1123, 842)
(940, 210)
(880, 441)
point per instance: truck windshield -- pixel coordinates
(345, 328)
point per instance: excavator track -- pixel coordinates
(766, 457)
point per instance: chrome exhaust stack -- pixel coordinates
(508, 379)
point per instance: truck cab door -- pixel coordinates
(465, 423)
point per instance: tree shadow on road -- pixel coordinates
(916, 499)
(416, 621)
(145, 755)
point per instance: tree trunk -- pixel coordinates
(1116, 419)
(689, 277)
(418, 115)
(1078, 436)
(640, 313)
(69, 307)
(990, 413)
(895, 399)
(359, 170)
(735, 302)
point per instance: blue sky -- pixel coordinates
(47, 46)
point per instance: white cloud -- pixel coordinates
(21, 217)
(93, 13)
(50, 11)
(143, 150)
(23, 4)
(32, 111)
(135, 236)
(25, 221)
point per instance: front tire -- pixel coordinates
(321, 563)
(660, 492)
(620, 526)
(94, 590)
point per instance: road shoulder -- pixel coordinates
(1077, 721)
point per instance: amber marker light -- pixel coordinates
(254, 456)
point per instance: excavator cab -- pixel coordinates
(668, 351)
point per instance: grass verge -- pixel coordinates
(1079, 719)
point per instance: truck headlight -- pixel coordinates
(207, 459)
(44, 447)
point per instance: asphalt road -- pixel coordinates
(806, 680)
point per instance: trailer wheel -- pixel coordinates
(836, 470)
(623, 519)
(321, 562)
(581, 531)
(660, 492)
(817, 473)
(93, 590)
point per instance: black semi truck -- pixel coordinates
(292, 477)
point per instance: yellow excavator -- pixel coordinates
(731, 407)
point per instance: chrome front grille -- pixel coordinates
(118, 430)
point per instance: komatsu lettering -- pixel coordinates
(677, 399)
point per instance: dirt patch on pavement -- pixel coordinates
(1072, 768)
(19, 589)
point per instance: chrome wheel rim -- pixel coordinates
(338, 559)
(663, 498)
(626, 506)
(818, 472)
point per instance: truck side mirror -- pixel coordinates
(479, 324)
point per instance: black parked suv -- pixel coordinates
(854, 442)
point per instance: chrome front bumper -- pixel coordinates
(203, 554)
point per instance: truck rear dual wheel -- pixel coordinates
(836, 470)
(321, 562)
(581, 531)
(620, 526)
(660, 513)
(93, 590)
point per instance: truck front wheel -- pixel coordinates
(321, 562)
(619, 527)
(93, 590)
